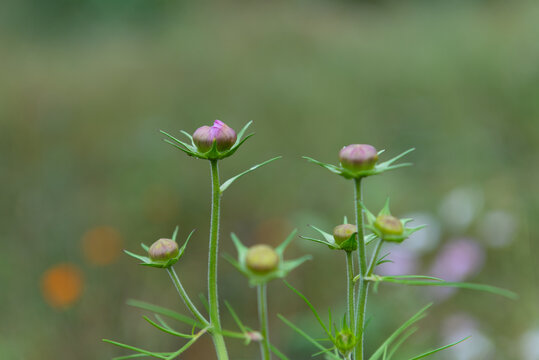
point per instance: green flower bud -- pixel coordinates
(343, 232)
(222, 134)
(345, 341)
(389, 225)
(163, 249)
(358, 157)
(262, 259)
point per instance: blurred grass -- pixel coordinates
(86, 86)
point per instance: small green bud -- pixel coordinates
(389, 225)
(222, 134)
(345, 341)
(358, 157)
(262, 259)
(343, 232)
(163, 249)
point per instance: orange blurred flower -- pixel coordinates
(102, 245)
(62, 285)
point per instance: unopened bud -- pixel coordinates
(219, 132)
(389, 225)
(262, 259)
(343, 232)
(345, 341)
(163, 249)
(358, 157)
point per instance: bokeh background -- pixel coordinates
(85, 87)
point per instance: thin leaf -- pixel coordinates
(235, 317)
(175, 233)
(417, 316)
(142, 351)
(463, 285)
(310, 306)
(163, 311)
(428, 353)
(307, 337)
(277, 353)
(227, 183)
(187, 345)
(400, 342)
(166, 330)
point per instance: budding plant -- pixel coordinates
(261, 263)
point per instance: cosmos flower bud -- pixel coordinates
(343, 232)
(262, 259)
(221, 133)
(163, 249)
(345, 341)
(389, 225)
(358, 157)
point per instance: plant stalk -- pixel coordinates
(185, 297)
(263, 316)
(213, 297)
(351, 289)
(363, 285)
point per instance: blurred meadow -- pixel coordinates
(85, 87)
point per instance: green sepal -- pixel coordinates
(213, 153)
(348, 245)
(229, 182)
(371, 218)
(379, 168)
(284, 267)
(146, 261)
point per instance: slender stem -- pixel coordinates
(213, 297)
(185, 297)
(374, 257)
(363, 285)
(351, 290)
(263, 316)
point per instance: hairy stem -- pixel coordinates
(363, 285)
(185, 297)
(213, 297)
(351, 290)
(263, 316)
(374, 257)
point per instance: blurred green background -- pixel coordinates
(85, 87)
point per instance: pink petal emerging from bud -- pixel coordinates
(221, 133)
(358, 157)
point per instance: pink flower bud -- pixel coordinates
(163, 249)
(358, 157)
(221, 133)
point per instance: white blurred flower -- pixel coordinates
(460, 326)
(404, 261)
(461, 206)
(498, 228)
(458, 260)
(426, 239)
(529, 345)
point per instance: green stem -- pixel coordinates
(351, 290)
(363, 285)
(213, 297)
(374, 257)
(263, 316)
(185, 297)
